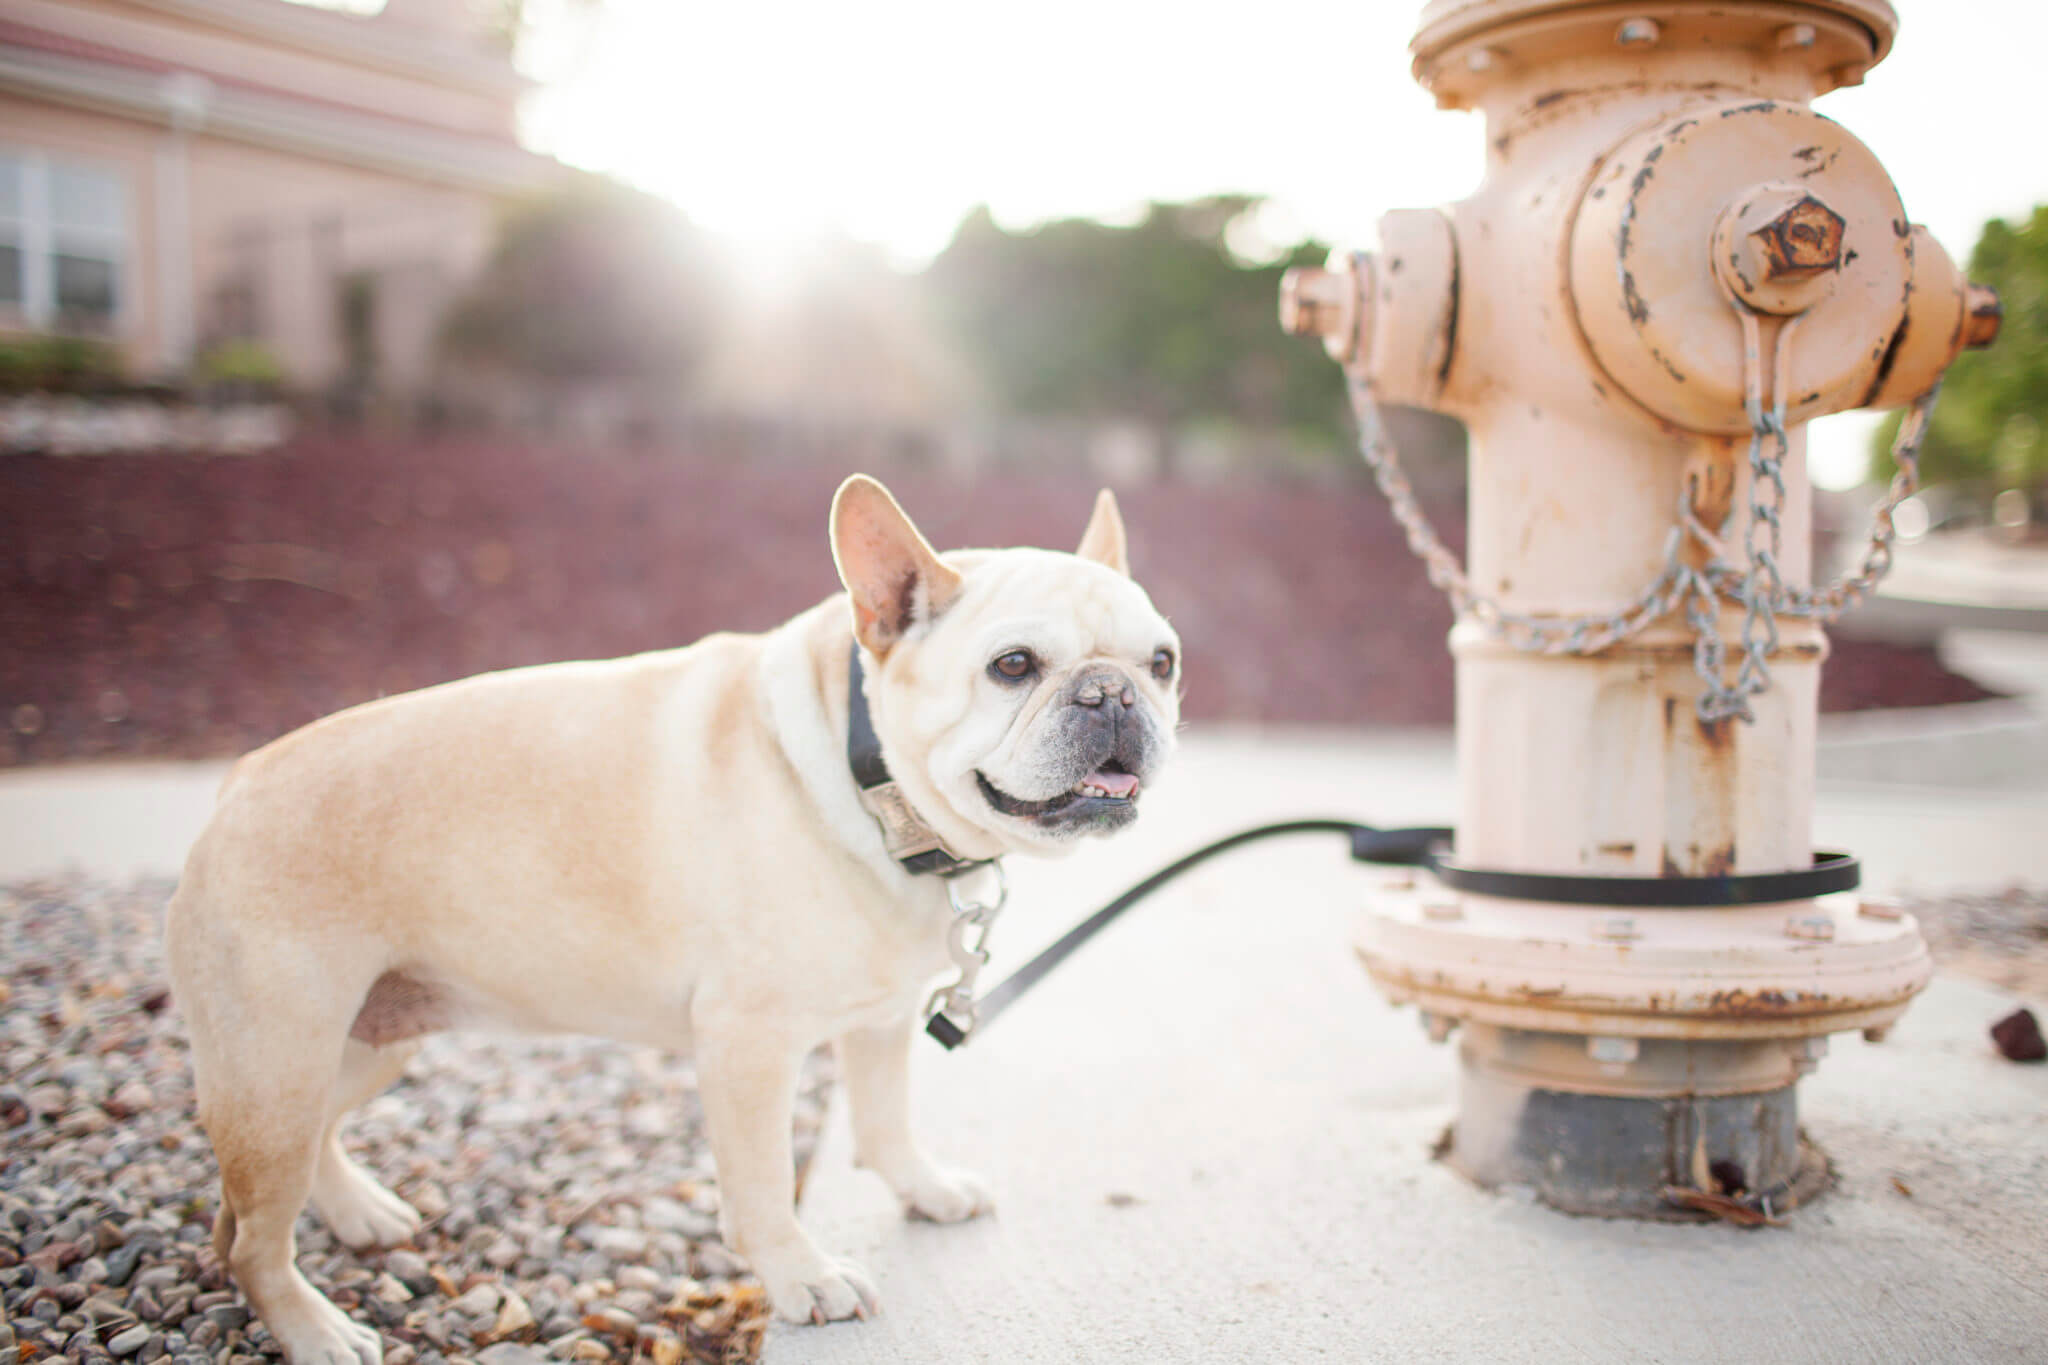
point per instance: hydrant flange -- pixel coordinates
(1461, 47)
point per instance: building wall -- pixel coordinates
(285, 232)
(130, 150)
(270, 153)
(268, 239)
(376, 63)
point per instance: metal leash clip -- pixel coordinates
(950, 1015)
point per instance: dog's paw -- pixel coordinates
(325, 1335)
(945, 1196)
(826, 1290)
(360, 1212)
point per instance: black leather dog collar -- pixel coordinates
(910, 841)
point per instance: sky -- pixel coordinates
(775, 121)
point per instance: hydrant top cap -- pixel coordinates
(1445, 22)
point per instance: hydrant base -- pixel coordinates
(1615, 1156)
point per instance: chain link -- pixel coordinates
(1758, 586)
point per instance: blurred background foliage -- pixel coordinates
(1154, 321)
(598, 281)
(1988, 428)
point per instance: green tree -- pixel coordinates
(1154, 321)
(598, 281)
(1988, 428)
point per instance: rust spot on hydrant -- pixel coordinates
(1764, 1002)
(1802, 241)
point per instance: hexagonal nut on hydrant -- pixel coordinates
(1778, 247)
(1800, 241)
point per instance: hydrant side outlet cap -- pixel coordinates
(1762, 199)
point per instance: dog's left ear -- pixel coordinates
(1103, 541)
(892, 575)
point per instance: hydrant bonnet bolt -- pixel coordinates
(1638, 33)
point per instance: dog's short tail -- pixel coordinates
(224, 1231)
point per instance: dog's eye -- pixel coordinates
(1162, 664)
(1018, 663)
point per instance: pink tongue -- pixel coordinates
(1116, 784)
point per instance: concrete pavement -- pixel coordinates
(108, 820)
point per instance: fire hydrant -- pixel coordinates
(1671, 265)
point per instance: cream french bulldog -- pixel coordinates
(669, 850)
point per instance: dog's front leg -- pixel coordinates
(746, 1077)
(877, 1066)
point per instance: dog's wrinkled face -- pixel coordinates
(1028, 694)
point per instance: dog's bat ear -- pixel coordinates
(1103, 541)
(894, 578)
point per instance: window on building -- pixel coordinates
(63, 242)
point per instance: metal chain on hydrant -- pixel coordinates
(1757, 586)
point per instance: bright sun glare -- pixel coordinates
(778, 125)
(890, 120)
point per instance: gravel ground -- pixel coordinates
(1996, 936)
(571, 1212)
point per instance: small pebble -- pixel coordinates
(639, 1277)
(2018, 1037)
(129, 1341)
(409, 1268)
(482, 1299)
(121, 1262)
(513, 1316)
(638, 1302)
(666, 1348)
(511, 1353)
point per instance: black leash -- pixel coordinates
(1429, 847)
(1407, 847)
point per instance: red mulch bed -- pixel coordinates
(166, 605)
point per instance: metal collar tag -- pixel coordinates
(914, 844)
(903, 833)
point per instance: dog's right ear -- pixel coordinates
(894, 578)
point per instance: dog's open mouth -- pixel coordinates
(1108, 783)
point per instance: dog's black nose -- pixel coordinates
(1099, 688)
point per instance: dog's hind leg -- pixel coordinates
(266, 1056)
(361, 1212)
(268, 1124)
